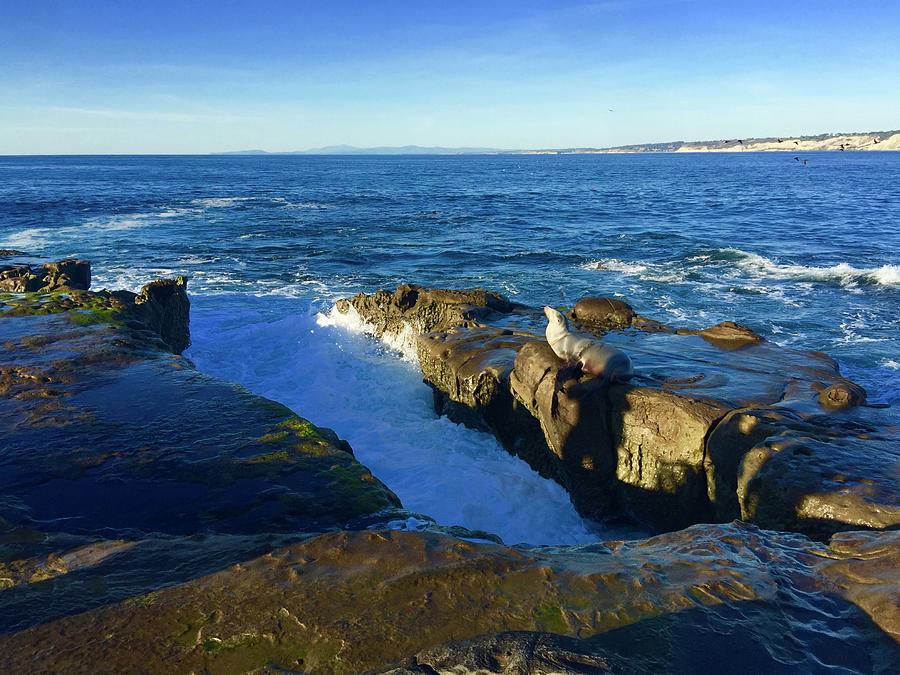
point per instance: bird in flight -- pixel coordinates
(805, 161)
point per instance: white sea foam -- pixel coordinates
(648, 271)
(379, 404)
(751, 265)
(299, 205)
(220, 202)
(844, 273)
(402, 342)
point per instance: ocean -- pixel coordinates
(807, 255)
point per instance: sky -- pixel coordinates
(197, 76)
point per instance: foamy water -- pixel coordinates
(344, 380)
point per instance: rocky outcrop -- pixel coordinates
(153, 519)
(349, 602)
(719, 424)
(65, 275)
(111, 441)
(164, 307)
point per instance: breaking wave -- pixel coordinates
(753, 265)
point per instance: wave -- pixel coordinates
(404, 342)
(227, 202)
(843, 273)
(645, 270)
(220, 202)
(750, 265)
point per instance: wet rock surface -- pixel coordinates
(699, 599)
(153, 519)
(718, 423)
(108, 435)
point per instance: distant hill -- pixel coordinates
(873, 140)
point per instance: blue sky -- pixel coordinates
(188, 76)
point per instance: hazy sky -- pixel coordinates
(210, 75)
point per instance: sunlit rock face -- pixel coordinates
(717, 424)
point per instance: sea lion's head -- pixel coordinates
(556, 322)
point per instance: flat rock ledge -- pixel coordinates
(719, 424)
(154, 519)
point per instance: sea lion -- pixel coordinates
(592, 356)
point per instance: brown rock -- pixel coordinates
(165, 308)
(820, 485)
(64, 275)
(607, 312)
(840, 395)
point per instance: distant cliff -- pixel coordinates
(873, 140)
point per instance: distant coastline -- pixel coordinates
(838, 142)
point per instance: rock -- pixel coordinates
(514, 653)
(842, 395)
(108, 435)
(817, 485)
(355, 601)
(12, 253)
(599, 315)
(818, 476)
(667, 449)
(660, 443)
(400, 316)
(606, 312)
(66, 275)
(59, 276)
(165, 309)
(864, 566)
(726, 335)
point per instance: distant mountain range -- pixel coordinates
(382, 150)
(872, 140)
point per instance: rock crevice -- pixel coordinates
(719, 424)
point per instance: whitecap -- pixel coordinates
(220, 202)
(647, 271)
(843, 273)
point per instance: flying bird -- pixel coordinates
(805, 161)
(796, 142)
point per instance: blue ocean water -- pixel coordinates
(807, 255)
